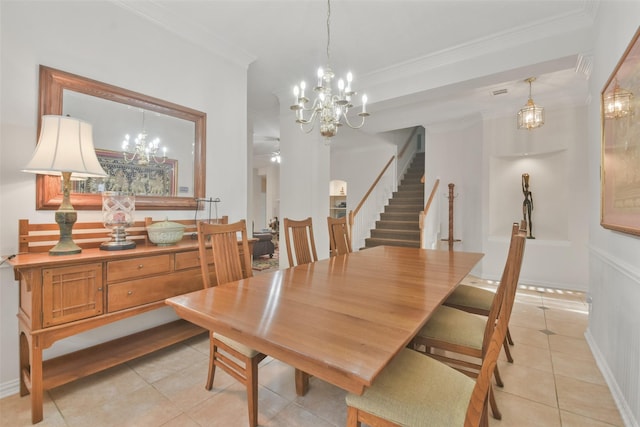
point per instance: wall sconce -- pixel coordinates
(65, 147)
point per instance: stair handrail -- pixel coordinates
(433, 192)
(423, 214)
(364, 198)
(354, 212)
(406, 144)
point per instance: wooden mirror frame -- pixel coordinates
(615, 133)
(52, 85)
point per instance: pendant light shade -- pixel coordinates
(530, 116)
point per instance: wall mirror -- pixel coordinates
(620, 167)
(172, 179)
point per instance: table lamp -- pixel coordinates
(65, 147)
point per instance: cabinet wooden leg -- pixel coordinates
(31, 373)
(36, 382)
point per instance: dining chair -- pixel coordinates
(419, 391)
(451, 335)
(476, 300)
(299, 240)
(339, 239)
(218, 244)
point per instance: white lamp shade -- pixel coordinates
(65, 145)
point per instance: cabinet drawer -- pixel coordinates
(138, 267)
(185, 260)
(143, 291)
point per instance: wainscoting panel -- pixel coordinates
(614, 329)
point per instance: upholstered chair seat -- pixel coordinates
(414, 390)
(241, 348)
(456, 327)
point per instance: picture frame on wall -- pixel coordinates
(620, 162)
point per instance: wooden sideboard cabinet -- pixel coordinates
(61, 296)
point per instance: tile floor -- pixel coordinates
(553, 382)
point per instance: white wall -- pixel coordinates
(454, 154)
(614, 261)
(103, 42)
(555, 159)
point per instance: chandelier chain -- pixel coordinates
(328, 31)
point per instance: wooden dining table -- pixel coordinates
(340, 319)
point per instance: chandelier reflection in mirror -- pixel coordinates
(617, 104)
(142, 152)
(329, 109)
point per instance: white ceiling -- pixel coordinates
(284, 41)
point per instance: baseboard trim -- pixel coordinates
(625, 412)
(9, 388)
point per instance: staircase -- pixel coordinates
(399, 224)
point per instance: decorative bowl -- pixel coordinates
(165, 233)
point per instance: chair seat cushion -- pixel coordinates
(456, 327)
(472, 297)
(247, 351)
(416, 390)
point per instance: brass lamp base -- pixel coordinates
(65, 220)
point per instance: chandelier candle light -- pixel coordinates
(531, 116)
(328, 108)
(142, 151)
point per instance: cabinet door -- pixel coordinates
(71, 293)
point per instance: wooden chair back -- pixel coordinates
(299, 240)
(339, 239)
(505, 297)
(218, 244)
(476, 411)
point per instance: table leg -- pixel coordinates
(302, 382)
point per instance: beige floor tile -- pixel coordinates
(181, 420)
(229, 407)
(94, 390)
(144, 407)
(587, 399)
(520, 412)
(582, 369)
(529, 383)
(200, 343)
(528, 316)
(279, 378)
(528, 336)
(577, 347)
(567, 328)
(529, 356)
(165, 362)
(15, 411)
(186, 388)
(295, 415)
(573, 420)
(326, 401)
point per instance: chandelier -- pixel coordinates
(617, 103)
(530, 116)
(329, 109)
(142, 152)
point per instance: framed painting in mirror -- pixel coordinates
(620, 163)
